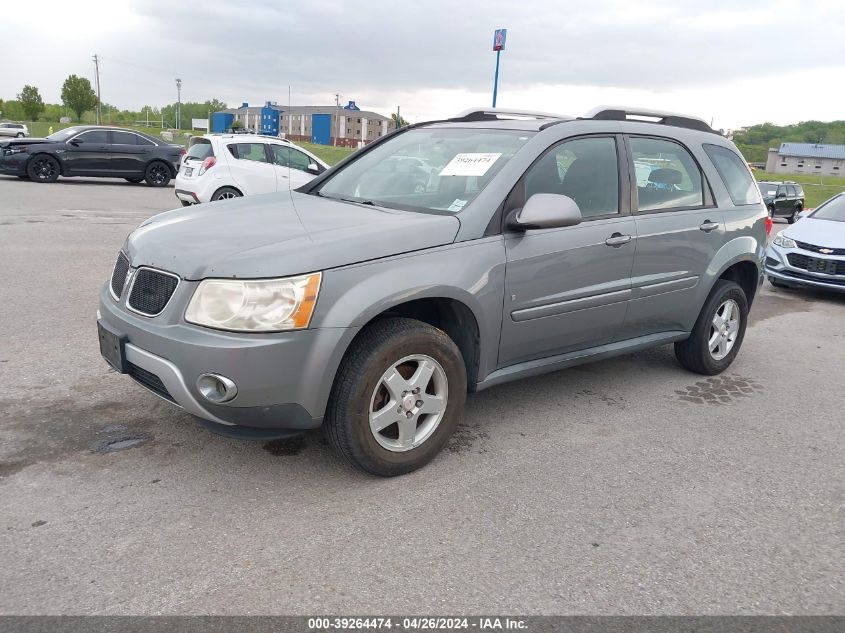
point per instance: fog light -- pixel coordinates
(216, 388)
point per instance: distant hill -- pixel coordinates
(754, 142)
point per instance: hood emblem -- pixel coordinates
(826, 251)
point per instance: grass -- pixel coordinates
(817, 189)
(331, 155)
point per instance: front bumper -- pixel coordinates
(283, 379)
(13, 164)
(779, 268)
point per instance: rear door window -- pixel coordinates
(790, 191)
(123, 138)
(248, 151)
(734, 174)
(667, 175)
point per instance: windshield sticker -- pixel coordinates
(457, 205)
(470, 164)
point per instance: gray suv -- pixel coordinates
(370, 305)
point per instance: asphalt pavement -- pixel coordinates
(628, 486)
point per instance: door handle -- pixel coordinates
(708, 226)
(617, 239)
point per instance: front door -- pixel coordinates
(679, 231)
(88, 153)
(567, 289)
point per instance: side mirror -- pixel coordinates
(545, 211)
(75, 142)
(313, 168)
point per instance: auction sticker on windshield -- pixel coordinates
(470, 164)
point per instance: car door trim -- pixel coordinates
(571, 305)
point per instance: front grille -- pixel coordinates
(818, 249)
(149, 380)
(118, 276)
(816, 265)
(151, 290)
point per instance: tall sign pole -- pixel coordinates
(499, 37)
(96, 59)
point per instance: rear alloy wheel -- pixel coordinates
(397, 398)
(226, 193)
(718, 333)
(157, 174)
(43, 168)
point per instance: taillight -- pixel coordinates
(207, 164)
(184, 151)
(768, 225)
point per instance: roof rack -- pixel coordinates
(625, 113)
(494, 114)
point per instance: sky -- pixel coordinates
(732, 63)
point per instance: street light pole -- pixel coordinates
(178, 104)
(337, 118)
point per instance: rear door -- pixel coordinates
(128, 155)
(566, 289)
(250, 167)
(679, 230)
(88, 154)
(782, 202)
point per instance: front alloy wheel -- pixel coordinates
(43, 168)
(397, 398)
(408, 402)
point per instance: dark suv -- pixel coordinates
(368, 305)
(784, 199)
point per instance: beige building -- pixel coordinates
(807, 158)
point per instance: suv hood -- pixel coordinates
(827, 233)
(277, 235)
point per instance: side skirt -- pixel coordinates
(570, 359)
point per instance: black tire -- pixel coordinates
(19, 135)
(694, 353)
(771, 211)
(792, 219)
(226, 193)
(185, 203)
(376, 349)
(158, 174)
(134, 181)
(43, 168)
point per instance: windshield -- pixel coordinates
(833, 209)
(434, 170)
(65, 134)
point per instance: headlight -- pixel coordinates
(260, 305)
(784, 242)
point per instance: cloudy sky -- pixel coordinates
(735, 63)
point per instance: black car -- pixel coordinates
(92, 151)
(783, 199)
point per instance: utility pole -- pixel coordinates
(97, 79)
(337, 117)
(178, 104)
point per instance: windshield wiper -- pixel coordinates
(369, 203)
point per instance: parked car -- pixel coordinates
(221, 166)
(87, 150)
(783, 199)
(812, 252)
(18, 130)
(374, 316)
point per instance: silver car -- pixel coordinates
(811, 252)
(16, 130)
(370, 306)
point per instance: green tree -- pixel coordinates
(31, 102)
(78, 95)
(402, 121)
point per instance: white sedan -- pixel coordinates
(221, 166)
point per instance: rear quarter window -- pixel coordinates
(734, 174)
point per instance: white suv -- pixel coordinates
(18, 130)
(220, 166)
